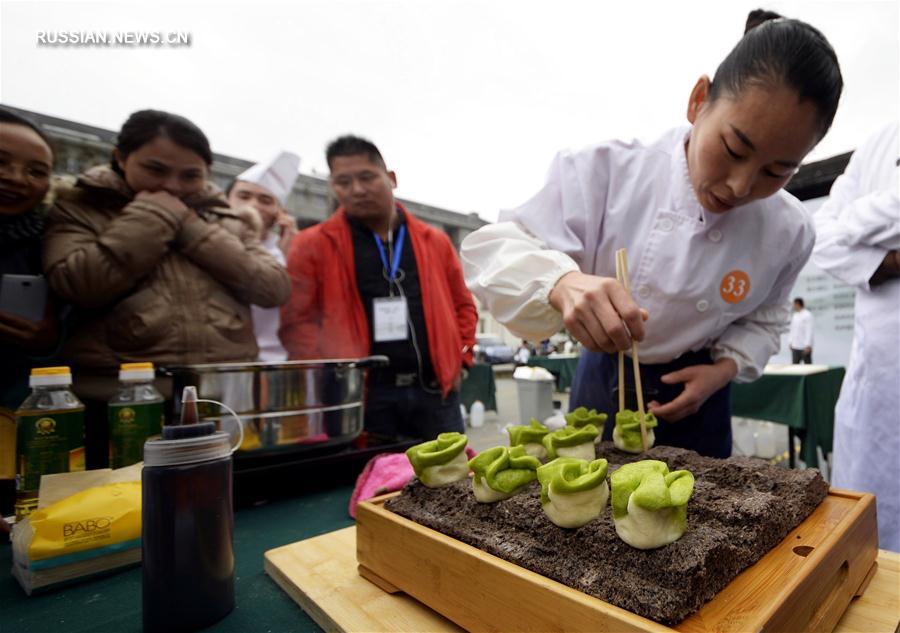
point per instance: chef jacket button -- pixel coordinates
(702, 305)
(666, 225)
(715, 235)
(643, 292)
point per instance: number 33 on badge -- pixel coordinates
(735, 286)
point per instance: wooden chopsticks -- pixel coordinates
(622, 277)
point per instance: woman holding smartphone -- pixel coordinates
(28, 324)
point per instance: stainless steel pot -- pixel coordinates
(285, 405)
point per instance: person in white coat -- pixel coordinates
(714, 243)
(800, 336)
(266, 187)
(859, 243)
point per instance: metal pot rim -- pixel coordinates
(361, 363)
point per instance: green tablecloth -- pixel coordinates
(113, 603)
(803, 403)
(562, 368)
(479, 385)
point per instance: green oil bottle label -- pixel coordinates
(129, 427)
(48, 443)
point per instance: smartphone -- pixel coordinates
(24, 296)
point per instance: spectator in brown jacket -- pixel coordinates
(156, 265)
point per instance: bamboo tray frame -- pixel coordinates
(803, 584)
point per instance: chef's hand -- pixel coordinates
(598, 312)
(700, 382)
(287, 228)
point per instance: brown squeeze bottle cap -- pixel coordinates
(190, 425)
(191, 441)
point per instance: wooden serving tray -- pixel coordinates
(320, 575)
(804, 584)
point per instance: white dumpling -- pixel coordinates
(576, 509)
(445, 474)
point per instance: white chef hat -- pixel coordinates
(276, 174)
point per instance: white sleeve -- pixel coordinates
(874, 220)
(753, 339)
(855, 229)
(566, 212)
(513, 265)
(512, 273)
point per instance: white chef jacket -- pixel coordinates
(857, 226)
(683, 261)
(802, 326)
(267, 320)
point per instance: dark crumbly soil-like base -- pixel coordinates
(741, 508)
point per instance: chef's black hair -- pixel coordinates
(350, 145)
(780, 50)
(8, 116)
(800, 301)
(144, 126)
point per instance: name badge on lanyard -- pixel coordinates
(389, 313)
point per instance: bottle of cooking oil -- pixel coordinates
(135, 414)
(49, 434)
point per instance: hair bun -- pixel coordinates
(757, 17)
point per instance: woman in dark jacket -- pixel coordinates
(26, 162)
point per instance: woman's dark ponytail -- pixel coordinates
(777, 50)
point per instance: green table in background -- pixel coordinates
(562, 366)
(479, 385)
(799, 396)
(112, 604)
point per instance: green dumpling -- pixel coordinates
(649, 503)
(570, 441)
(627, 432)
(573, 491)
(530, 437)
(442, 461)
(501, 472)
(582, 416)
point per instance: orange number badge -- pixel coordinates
(735, 286)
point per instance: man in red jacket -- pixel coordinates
(373, 279)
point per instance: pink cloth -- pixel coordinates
(385, 473)
(315, 439)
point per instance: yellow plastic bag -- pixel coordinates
(106, 517)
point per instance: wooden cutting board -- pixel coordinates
(320, 575)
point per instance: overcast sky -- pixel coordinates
(468, 101)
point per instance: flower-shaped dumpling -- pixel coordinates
(570, 441)
(649, 503)
(442, 461)
(627, 433)
(582, 416)
(573, 491)
(501, 472)
(530, 437)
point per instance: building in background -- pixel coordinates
(78, 147)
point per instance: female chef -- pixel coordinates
(714, 243)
